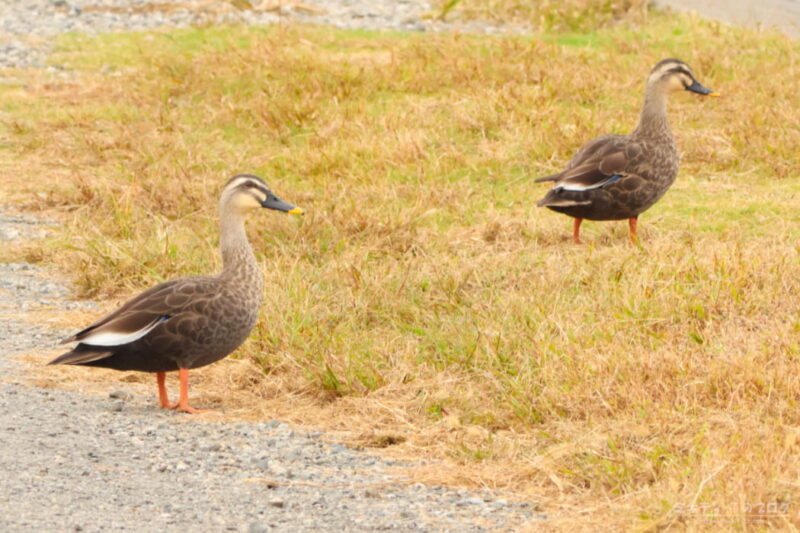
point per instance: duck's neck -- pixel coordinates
(653, 121)
(238, 261)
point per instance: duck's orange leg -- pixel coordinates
(163, 397)
(183, 403)
(632, 225)
(576, 231)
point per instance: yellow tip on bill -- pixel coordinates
(296, 211)
(714, 94)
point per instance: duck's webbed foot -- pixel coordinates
(183, 403)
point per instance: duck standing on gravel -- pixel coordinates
(189, 322)
(615, 177)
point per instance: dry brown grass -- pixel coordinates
(424, 300)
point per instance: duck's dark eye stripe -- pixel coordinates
(680, 69)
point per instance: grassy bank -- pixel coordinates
(424, 300)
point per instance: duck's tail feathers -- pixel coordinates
(561, 202)
(551, 177)
(82, 354)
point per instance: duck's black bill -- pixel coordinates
(696, 87)
(273, 202)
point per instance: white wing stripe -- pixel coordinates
(577, 187)
(113, 338)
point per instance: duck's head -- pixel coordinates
(245, 192)
(672, 75)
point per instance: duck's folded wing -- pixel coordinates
(597, 163)
(123, 329)
(604, 167)
(594, 174)
(99, 341)
(597, 149)
(140, 315)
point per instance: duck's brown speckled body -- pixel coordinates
(190, 322)
(615, 177)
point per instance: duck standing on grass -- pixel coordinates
(615, 177)
(189, 322)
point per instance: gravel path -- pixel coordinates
(74, 463)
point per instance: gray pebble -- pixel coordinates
(120, 395)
